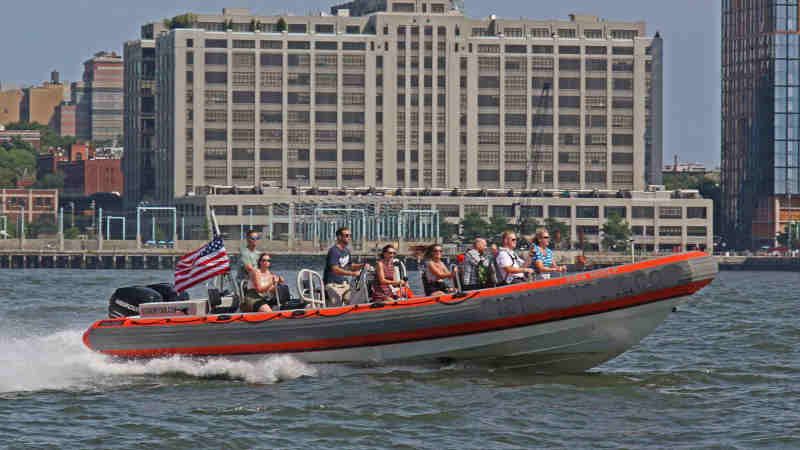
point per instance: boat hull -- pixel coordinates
(566, 324)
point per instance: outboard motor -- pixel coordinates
(168, 292)
(125, 301)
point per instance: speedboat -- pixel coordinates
(564, 324)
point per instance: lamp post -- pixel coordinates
(72, 214)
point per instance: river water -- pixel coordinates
(721, 372)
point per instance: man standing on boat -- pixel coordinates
(338, 269)
(510, 265)
(248, 255)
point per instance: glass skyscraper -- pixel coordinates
(760, 119)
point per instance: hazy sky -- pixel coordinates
(37, 36)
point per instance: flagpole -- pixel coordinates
(220, 281)
(214, 224)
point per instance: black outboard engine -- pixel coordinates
(168, 292)
(125, 301)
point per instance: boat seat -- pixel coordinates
(217, 304)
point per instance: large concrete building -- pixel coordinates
(760, 120)
(400, 94)
(425, 97)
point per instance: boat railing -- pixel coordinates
(311, 288)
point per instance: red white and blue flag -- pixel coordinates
(208, 261)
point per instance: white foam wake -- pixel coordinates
(60, 361)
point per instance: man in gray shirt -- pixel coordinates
(248, 255)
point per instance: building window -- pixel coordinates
(696, 212)
(669, 231)
(561, 212)
(612, 210)
(670, 212)
(216, 43)
(324, 28)
(642, 212)
(587, 212)
(299, 45)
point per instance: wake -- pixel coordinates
(59, 361)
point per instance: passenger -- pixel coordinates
(261, 287)
(435, 272)
(386, 287)
(248, 255)
(542, 255)
(338, 269)
(476, 267)
(510, 265)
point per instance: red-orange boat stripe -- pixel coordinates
(417, 335)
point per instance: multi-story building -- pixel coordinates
(66, 116)
(99, 98)
(403, 94)
(414, 98)
(760, 120)
(659, 220)
(39, 103)
(36, 204)
(10, 101)
(32, 137)
(139, 123)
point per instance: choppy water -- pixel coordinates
(722, 372)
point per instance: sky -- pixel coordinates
(37, 36)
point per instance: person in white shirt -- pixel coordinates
(510, 265)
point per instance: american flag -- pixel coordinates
(206, 262)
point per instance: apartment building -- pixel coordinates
(98, 98)
(139, 117)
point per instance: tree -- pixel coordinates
(497, 225)
(49, 138)
(71, 233)
(616, 233)
(281, 25)
(41, 226)
(473, 225)
(527, 225)
(51, 181)
(559, 232)
(448, 231)
(181, 21)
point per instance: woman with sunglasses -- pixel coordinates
(542, 254)
(261, 287)
(386, 287)
(435, 272)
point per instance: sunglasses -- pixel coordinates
(254, 238)
(545, 237)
